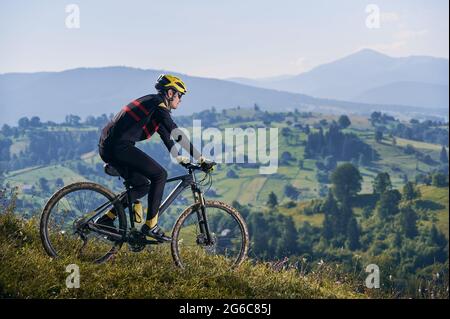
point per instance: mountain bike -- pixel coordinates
(208, 228)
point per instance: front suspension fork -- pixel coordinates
(201, 216)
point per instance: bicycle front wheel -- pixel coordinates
(227, 230)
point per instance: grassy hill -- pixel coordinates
(149, 274)
(434, 203)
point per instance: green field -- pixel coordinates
(439, 196)
(51, 173)
(419, 145)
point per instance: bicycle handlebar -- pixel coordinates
(205, 167)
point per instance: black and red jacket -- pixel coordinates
(139, 120)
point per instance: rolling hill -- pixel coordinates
(408, 93)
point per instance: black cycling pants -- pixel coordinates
(140, 169)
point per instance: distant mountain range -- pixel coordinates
(371, 77)
(94, 91)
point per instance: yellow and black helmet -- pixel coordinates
(167, 81)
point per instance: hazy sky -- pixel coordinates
(251, 38)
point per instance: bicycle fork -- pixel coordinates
(201, 216)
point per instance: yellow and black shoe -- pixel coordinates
(155, 232)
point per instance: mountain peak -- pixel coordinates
(368, 53)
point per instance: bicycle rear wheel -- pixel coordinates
(69, 208)
(228, 231)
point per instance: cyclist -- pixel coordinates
(138, 121)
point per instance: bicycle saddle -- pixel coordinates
(110, 170)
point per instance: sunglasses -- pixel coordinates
(179, 95)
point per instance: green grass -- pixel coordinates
(435, 201)
(396, 162)
(272, 185)
(438, 195)
(31, 176)
(22, 171)
(250, 189)
(419, 145)
(19, 145)
(149, 274)
(72, 129)
(51, 173)
(305, 180)
(299, 217)
(228, 189)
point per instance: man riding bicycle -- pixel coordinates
(138, 121)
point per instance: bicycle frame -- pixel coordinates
(185, 181)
